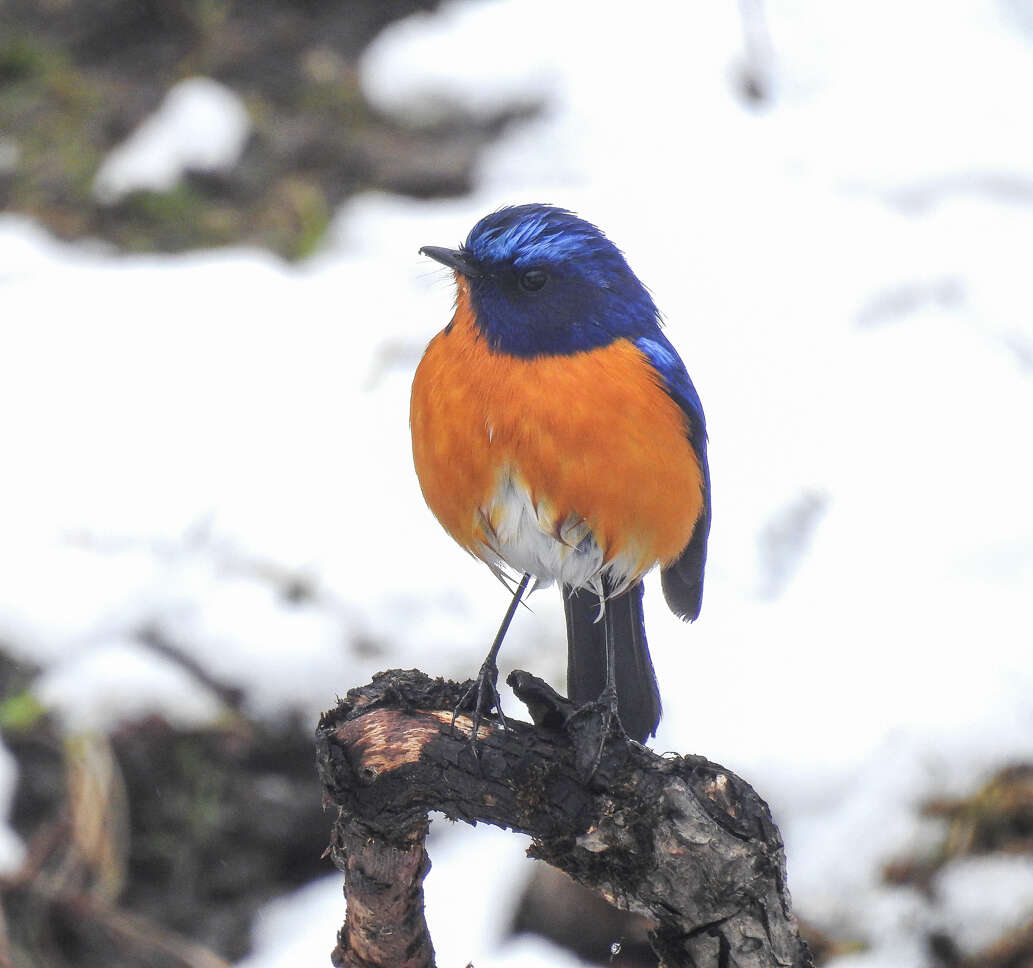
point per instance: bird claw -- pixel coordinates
(479, 699)
(590, 727)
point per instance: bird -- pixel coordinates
(556, 435)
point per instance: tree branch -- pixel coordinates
(679, 839)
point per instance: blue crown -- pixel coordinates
(547, 282)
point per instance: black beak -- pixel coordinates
(452, 258)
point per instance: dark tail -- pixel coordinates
(638, 698)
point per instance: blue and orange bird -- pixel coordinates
(556, 431)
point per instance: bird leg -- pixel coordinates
(484, 691)
(608, 697)
(591, 735)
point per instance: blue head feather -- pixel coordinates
(587, 297)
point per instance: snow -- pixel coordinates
(411, 68)
(201, 126)
(985, 898)
(845, 271)
(12, 850)
(298, 929)
(293, 930)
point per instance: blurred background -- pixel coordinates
(211, 307)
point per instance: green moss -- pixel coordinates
(20, 712)
(313, 219)
(182, 217)
(340, 101)
(209, 15)
(204, 789)
(294, 218)
(48, 109)
(22, 59)
(176, 208)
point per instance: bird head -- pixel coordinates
(543, 281)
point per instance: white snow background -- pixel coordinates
(846, 271)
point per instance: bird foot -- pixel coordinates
(590, 727)
(479, 699)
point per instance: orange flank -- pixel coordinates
(592, 437)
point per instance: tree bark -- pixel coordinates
(680, 840)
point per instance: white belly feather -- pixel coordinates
(527, 539)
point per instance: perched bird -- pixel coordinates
(556, 431)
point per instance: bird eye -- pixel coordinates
(533, 279)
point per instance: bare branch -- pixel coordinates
(679, 839)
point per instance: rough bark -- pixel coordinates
(679, 839)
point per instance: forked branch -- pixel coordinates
(680, 840)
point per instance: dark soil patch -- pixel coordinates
(154, 846)
(76, 78)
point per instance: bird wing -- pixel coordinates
(682, 580)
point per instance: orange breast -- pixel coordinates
(592, 436)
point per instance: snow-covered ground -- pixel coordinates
(846, 271)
